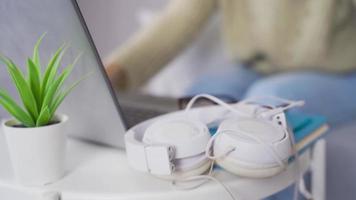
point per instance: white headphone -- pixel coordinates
(251, 140)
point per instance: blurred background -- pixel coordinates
(113, 22)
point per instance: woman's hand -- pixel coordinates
(117, 75)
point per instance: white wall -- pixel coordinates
(111, 22)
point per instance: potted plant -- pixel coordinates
(36, 134)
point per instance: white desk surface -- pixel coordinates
(96, 172)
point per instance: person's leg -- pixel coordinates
(232, 81)
(330, 95)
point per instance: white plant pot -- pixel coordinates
(37, 154)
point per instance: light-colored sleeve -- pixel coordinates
(157, 44)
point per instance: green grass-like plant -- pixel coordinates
(41, 91)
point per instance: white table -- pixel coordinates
(102, 173)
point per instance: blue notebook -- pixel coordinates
(304, 124)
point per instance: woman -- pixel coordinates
(287, 48)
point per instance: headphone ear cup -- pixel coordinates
(251, 158)
(188, 138)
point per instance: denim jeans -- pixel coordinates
(331, 95)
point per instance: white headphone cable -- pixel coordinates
(205, 178)
(275, 110)
(300, 184)
(216, 100)
(270, 149)
(299, 176)
(255, 99)
(209, 176)
(291, 104)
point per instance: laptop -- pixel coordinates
(96, 113)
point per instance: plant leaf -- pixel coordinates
(44, 118)
(52, 68)
(5, 60)
(36, 55)
(22, 87)
(55, 86)
(15, 110)
(34, 80)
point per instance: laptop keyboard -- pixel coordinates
(134, 115)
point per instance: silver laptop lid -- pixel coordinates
(92, 106)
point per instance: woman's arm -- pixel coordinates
(152, 48)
